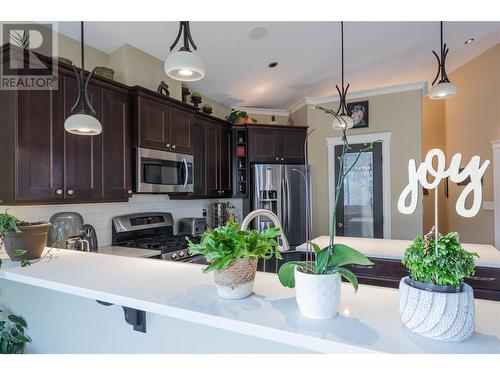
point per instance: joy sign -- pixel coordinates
(415, 176)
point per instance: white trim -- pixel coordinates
(496, 190)
(386, 171)
(264, 111)
(312, 100)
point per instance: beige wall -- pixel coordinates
(399, 113)
(300, 116)
(472, 123)
(266, 119)
(434, 136)
(70, 49)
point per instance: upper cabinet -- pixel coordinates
(276, 144)
(162, 123)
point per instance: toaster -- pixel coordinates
(193, 226)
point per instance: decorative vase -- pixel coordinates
(207, 110)
(443, 316)
(318, 296)
(32, 240)
(105, 72)
(236, 280)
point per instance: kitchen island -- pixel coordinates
(184, 314)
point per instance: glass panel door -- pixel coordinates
(359, 213)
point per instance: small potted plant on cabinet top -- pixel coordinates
(23, 241)
(434, 300)
(238, 117)
(233, 254)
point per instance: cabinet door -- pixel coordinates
(82, 154)
(212, 157)
(39, 146)
(199, 159)
(225, 161)
(290, 145)
(154, 124)
(263, 147)
(116, 152)
(180, 131)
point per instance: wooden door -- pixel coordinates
(154, 124)
(290, 145)
(39, 146)
(199, 174)
(180, 131)
(262, 146)
(82, 154)
(116, 151)
(225, 161)
(212, 157)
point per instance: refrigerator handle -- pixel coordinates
(282, 203)
(288, 205)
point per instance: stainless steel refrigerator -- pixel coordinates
(282, 190)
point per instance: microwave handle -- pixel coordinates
(186, 178)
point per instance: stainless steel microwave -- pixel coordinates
(162, 172)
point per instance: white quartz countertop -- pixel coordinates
(368, 320)
(128, 251)
(489, 256)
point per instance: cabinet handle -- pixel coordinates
(282, 159)
(222, 191)
(167, 145)
(173, 146)
(71, 192)
(129, 191)
(59, 191)
(277, 158)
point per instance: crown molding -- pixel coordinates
(264, 111)
(314, 100)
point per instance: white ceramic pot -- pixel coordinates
(236, 280)
(318, 296)
(435, 315)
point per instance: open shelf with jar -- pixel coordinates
(240, 162)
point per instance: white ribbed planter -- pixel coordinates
(318, 296)
(438, 316)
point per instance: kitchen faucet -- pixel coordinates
(269, 214)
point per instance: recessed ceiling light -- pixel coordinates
(468, 41)
(274, 64)
(257, 32)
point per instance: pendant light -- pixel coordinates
(184, 65)
(345, 121)
(444, 88)
(82, 120)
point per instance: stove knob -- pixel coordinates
(181, 253)
(189, 252)
(174, 255)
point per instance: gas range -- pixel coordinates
(154, 231)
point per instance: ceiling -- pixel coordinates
(377, 54)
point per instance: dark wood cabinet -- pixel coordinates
(162, 123)
(43, 164)
(276, 144)
(218, 160)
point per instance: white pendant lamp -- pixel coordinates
(444, 88)
(342, 121)
(184, 65)
(82, 120)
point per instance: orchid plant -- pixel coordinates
(333, 257)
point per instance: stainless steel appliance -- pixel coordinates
(155, 231)
(162, 172)
(193, 226)
(68, 231)
(282, 190)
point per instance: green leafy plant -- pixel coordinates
(237, 115)
(450, 265)
(12, 336)
(21, 39)
(224, 244)
(331, 258)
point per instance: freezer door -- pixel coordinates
(294, 210)
(268, 186)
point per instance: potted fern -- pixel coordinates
(317, 280)
(233, 254)
(437, 273)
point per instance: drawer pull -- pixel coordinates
(480, 278)
(360, 266)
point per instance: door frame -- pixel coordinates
(385, 138)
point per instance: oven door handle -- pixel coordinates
(186, 168)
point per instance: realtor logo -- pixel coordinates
(22, 64)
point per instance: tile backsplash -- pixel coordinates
(99, 214)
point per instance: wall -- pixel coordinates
(434, 136)
(70, 49)
(472, 123)
(266, 119)
(399, 113)
(299, 117)
(99, 215)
